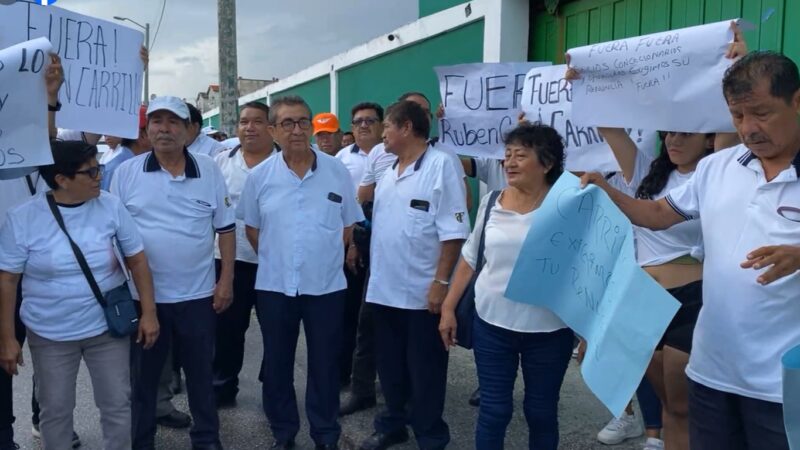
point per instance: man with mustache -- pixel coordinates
(748, 202)
(177, 198)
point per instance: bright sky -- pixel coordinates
(275, 38)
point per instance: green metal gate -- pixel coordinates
(585, 22)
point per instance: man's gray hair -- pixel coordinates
(286, 100)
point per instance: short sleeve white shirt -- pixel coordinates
(300, 224)
(204, 145)
(491, 172)
(413, 213)
(177, 217)
(235, 171)
(505, 233)
(355, 159)
(379, 160)
(659, 247)
(16, 191)
(58, 303)
(744, 328)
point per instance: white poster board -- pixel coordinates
(661, 81)
(481, 102)
(102, 88)
(24, 139)
(547, 99)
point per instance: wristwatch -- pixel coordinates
(55, 108)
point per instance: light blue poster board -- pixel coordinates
(578, 260)
(791, 396)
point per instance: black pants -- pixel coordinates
(364, 372)
(352, 307)
(231, 328)
(192, 324)
(720, 420)
(6, 392)
(280, 317)
(412, 366)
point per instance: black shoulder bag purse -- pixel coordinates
(465, 311)
(117, 304)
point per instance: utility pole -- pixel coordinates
(228, 71)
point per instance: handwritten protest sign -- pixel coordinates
(24, 140)
(662, 81)
(102, 68)
(481, 102)
(578, 260)
(547, 99)
(791, 396)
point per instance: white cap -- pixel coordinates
(208, 131)
(173, 104)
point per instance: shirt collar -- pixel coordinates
(355, 149)
(191, 170)
(796, 163)
(749, 156)
(417, 164)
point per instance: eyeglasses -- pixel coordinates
(368, 122)
(91, 172)
(288, 124)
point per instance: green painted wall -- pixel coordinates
(317, 93)
(386, 77)
(585, 22)
(428, 7)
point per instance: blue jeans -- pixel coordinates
(649, 404)
(544, 358)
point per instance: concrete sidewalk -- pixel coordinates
(245, 426)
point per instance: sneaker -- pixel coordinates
(76, 440)
(620, 429)
(653, 444)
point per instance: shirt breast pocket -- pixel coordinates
(331, 215)
(419, 218)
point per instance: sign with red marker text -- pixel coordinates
(102, 87)
(661, 81)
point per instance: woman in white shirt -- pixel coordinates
(506, 333)
(64, 320)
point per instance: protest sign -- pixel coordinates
(24, 139)
(547, 99)
(481, 102)
(102, 68)
(791, 396)
(662, 81)
(578, 261)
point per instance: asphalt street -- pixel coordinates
(245, 427)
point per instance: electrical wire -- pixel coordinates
(158, 27)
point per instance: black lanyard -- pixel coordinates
(31, 184)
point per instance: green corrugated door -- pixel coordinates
(589, 21)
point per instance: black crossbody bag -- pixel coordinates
(118, 305)
(465, 311)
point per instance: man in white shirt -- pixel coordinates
(367, 123)
(236, 164)
(177, 199)
(299, 208)
(748, 201)
(198, 142)
(420, 221)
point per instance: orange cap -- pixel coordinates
(326, 122)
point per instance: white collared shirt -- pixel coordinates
(355, 159)
(301, 223)
(414, 212)
(379, 160)
(235, 170)
(205, 145)
(744, 328)
(177, 217)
